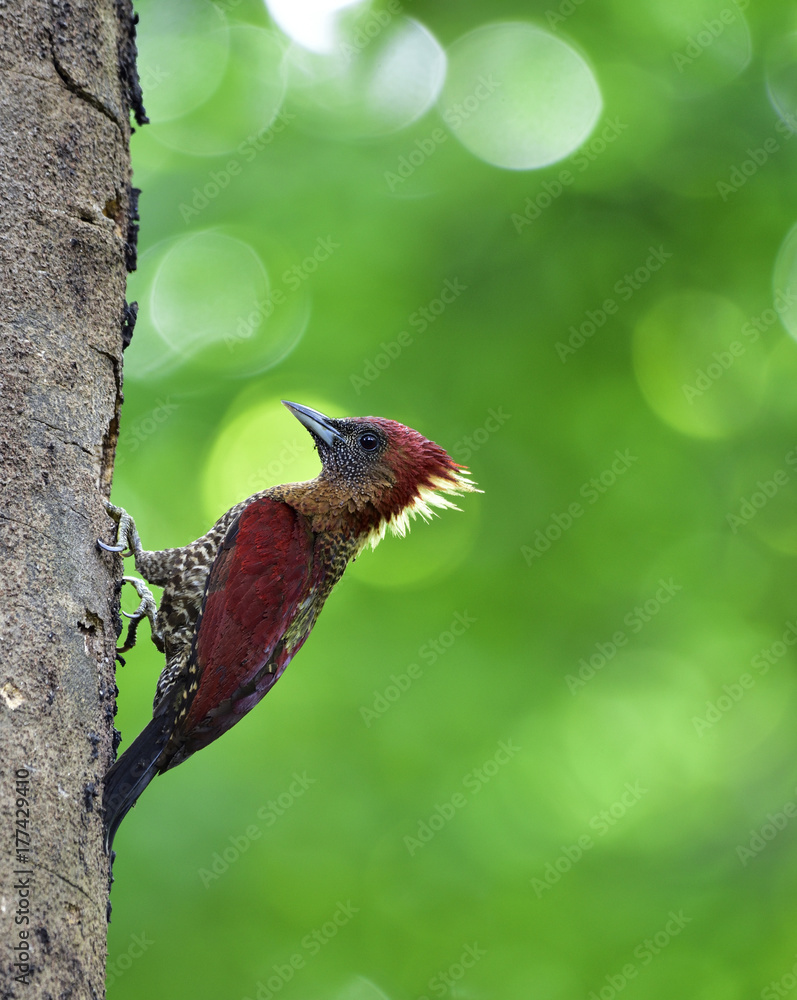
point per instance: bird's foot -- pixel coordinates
(127, 541)
(146, 609)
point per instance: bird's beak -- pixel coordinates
(320, 426)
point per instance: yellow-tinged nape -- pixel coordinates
(428, 497)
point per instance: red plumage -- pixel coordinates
(263, 572)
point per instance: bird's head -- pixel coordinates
(382, 472)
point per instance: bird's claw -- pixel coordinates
(126, 534)
(110, 548)
(147, 608)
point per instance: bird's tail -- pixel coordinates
(131, 774)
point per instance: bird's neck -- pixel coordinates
(334, 508)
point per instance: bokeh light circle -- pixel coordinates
(204, 286)
(187, 45)
(781, 77)
(368, 85)
(519, 97)
(244, 104)
(784, 282)
(314, 24)
(700, 363)
(207, 302)
(661, 704)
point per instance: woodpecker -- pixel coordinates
(239, 602)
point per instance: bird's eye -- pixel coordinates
(369, 442)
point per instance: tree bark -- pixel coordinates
(67, 238)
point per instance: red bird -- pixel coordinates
(239, 602)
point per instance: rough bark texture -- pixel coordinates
(65, 242)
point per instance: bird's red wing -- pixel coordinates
(258, 580)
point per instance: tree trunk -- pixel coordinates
(67, 237)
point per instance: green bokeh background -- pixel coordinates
(660, 780)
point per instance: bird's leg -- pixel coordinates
(146, 609)
(128, 543)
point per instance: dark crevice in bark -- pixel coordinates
(111, 435)
(109, 439)
(63, 878)
(73, 87)
(54, 427)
